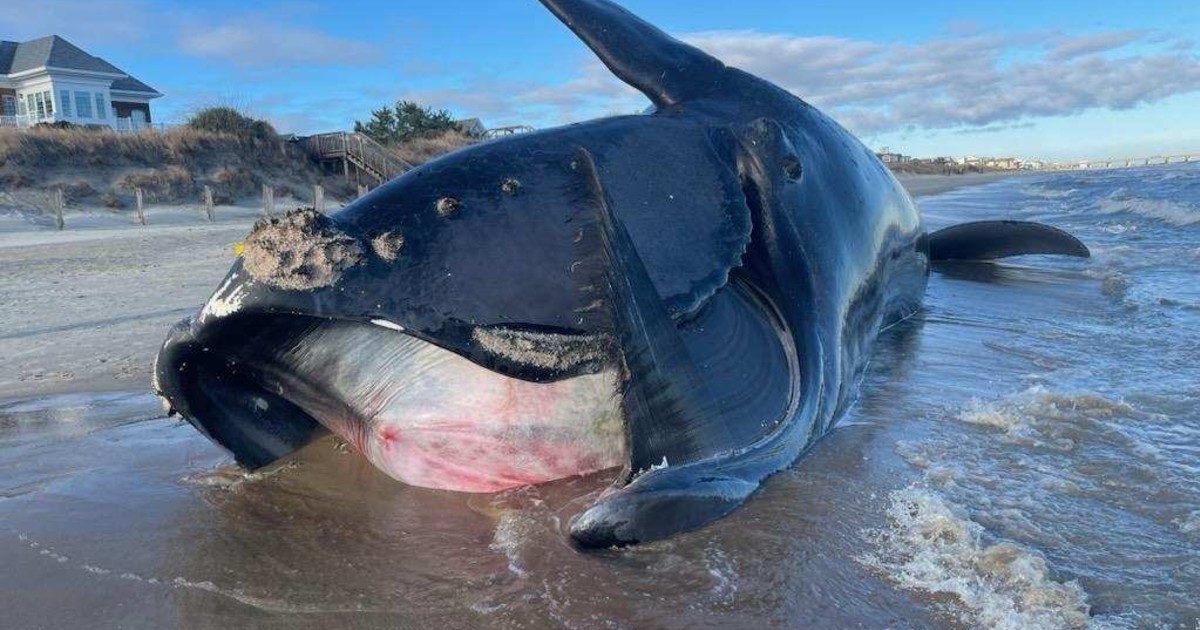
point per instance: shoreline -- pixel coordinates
(87, 307)
(929, 185)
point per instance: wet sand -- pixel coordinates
(926, 185)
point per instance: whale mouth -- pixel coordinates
(263, 385)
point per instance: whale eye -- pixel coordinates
(792, 168)
(510, 185)
(447, 206)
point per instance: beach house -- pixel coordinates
(50, 80)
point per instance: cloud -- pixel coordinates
(967, 79)
(1100, 42)
(81, 21)
(262, 43)
(993, 128)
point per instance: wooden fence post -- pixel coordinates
(319, 198)
(268, 201)
(59, 202)
(141, 213)
(362, 190)
(208, 204)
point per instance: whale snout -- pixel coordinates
(263, 385)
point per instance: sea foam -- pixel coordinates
(931, 545)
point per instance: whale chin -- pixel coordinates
(263, 385)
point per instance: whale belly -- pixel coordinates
(430, 418)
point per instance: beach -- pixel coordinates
(1021, 455)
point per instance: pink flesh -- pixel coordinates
(512, 436)
(431, 418)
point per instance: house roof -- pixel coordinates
(54, 51)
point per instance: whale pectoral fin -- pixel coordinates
(988, 240)
(670, 415)
(663, 68)
(658, 506)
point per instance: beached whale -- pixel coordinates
(688, 295)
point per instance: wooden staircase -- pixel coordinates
(357, 155)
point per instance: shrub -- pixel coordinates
(231, 121)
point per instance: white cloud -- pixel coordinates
(262, 43)
(80, 21)
(1073, 47)
(967, 79)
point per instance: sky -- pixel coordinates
(1045, 79)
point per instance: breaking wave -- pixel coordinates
(1043, 418)
(1172, 212)
(931, 545)
(1046, 192)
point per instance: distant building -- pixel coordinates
(1004, 164)
(51, 80)
(893, 158)
(472, 127)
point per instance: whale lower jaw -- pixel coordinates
(421, 414)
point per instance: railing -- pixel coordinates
(123, 125)
(499, 132)
(24, 120)
(127, 125)
(359, 150)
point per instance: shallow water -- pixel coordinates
(1023, 454)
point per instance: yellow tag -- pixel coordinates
(239, 249)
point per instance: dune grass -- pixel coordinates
(423, 149)
(102, 167)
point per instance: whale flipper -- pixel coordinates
(663, 68)
(988, 240)
(677, 429)
(671, 416)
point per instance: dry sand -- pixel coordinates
(85, 309)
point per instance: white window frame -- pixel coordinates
(101, 110)
(80, 99)
(64, 104)
(8, 105)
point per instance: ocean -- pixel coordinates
(1024, 453)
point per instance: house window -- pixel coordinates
(9, 106)
(64, 102)
(39, 105)
(83, 105)
(101, 110)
